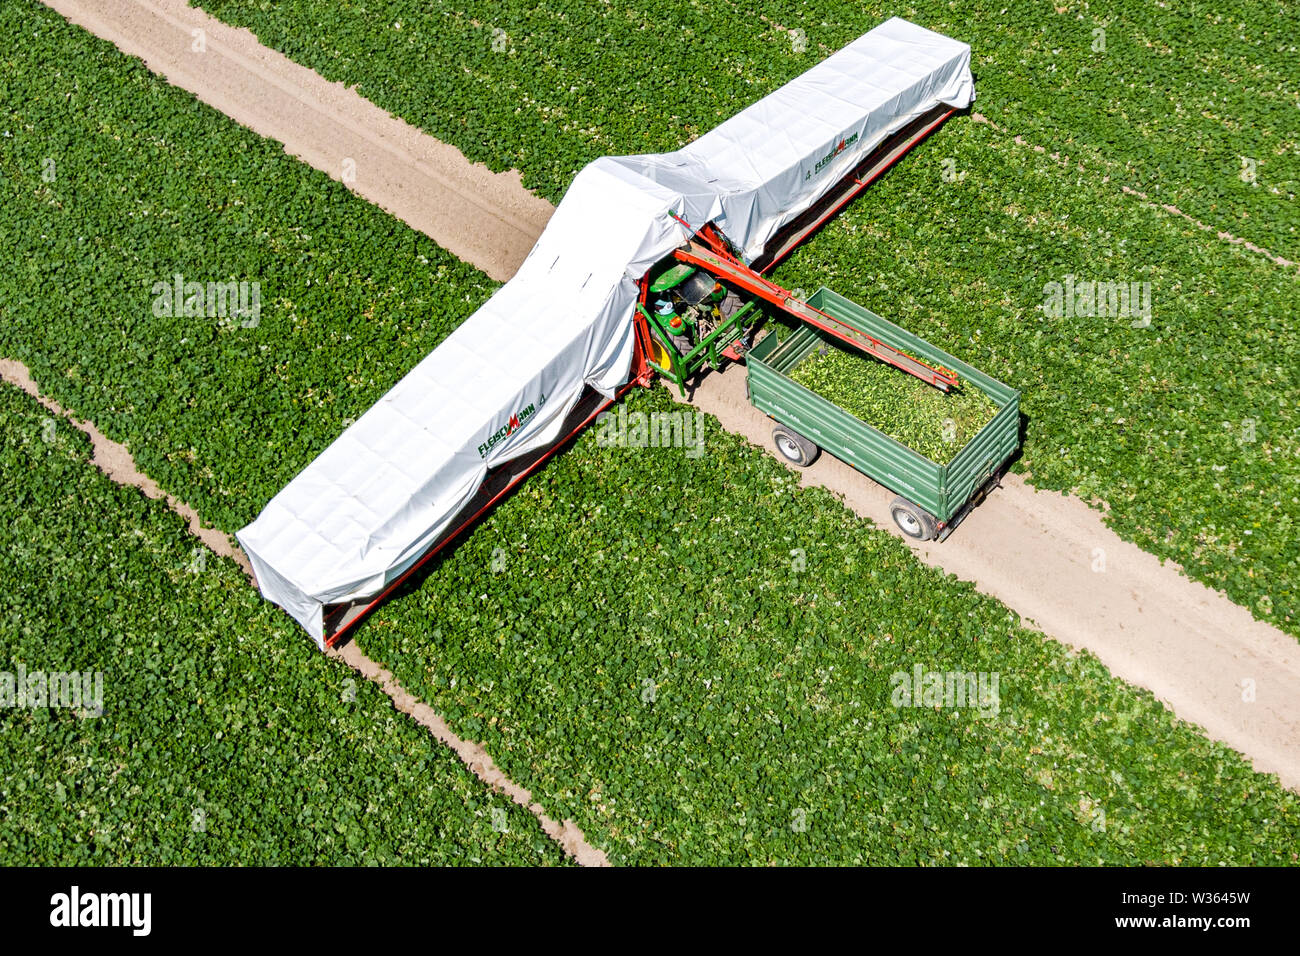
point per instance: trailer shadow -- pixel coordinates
(1024, 435)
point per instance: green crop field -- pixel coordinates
(689, 682)
(693, 684)
(221, 736)
(1169, 98)
(148, 184)
(1192, 106)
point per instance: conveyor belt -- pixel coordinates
(730, 270)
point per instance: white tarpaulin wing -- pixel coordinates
(500, 386)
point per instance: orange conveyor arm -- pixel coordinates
(708, 253)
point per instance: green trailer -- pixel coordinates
(933, 498)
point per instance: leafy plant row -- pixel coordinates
(221, 737)
(700, 663)
(1183, 414)
(1194, 104)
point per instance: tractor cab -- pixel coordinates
(692, 319)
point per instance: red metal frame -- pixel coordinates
(638, 362)
(853, 193)
(726, 266)
(642, 374)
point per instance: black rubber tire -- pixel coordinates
(912, 520)
(793, 447)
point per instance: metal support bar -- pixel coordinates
(725, 267)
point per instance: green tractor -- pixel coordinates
(695, 320)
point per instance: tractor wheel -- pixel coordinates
(793, 447)
(913, 521)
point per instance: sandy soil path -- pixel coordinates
(1202, 655)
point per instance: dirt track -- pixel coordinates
(479, 216)
(1033, 550)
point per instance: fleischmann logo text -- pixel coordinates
(508, 429)
(840, 147)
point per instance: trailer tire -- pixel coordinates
(793, 447)
(913, 521)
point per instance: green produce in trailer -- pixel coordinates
(935, 423)
(935, 442)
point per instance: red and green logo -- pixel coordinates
(517, 420)
(840, 147)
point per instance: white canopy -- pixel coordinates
(498, 387)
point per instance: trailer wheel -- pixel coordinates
(913, 521)
(793, 447)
